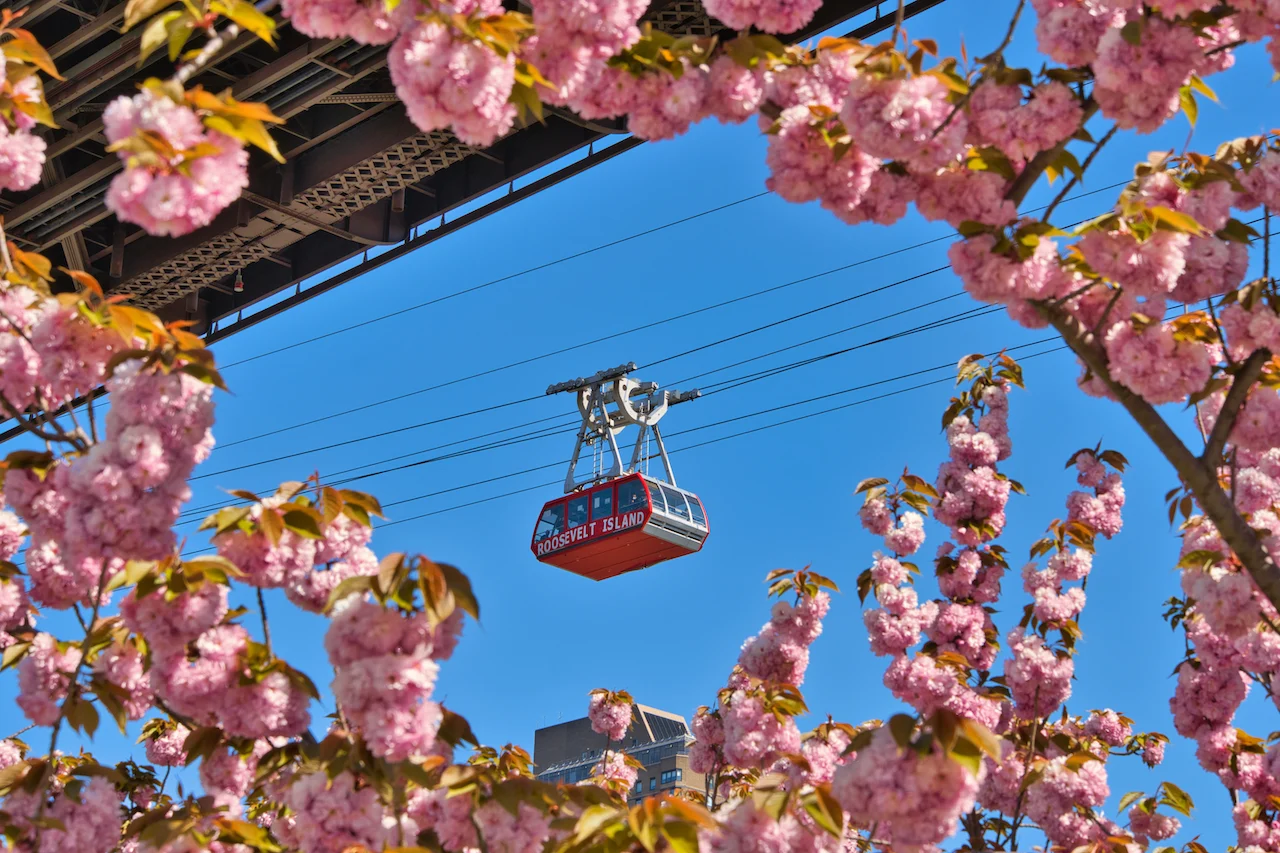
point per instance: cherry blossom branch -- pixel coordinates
(1075, 178)
(188, 69)
(1008, 36)
(1199, 478)
(21, 731)
(266, 628)
(73, 692)
(1244, 379)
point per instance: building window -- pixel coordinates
(639, 786)
(669, 776)
(653, 783)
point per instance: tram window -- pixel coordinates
(577, 512)
(551, 523)
(699, 517)
(676, 503)
(602, 504)
(630, 496)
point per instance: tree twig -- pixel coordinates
(266, 628)
(1084, 167)
(1244, 379)
(1008, 36)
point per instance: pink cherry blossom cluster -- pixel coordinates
(446, 80)
(185, 193)
(971, 495)
(610, 715)
(915, 799)
(120, 500)
(86, 823)
(771, 16)
(903, 531)
(49, 354)
(613, 768)
(780, 652)
(1100, 508)
(21, 151)
(333, 815)
(384, 672)
(44, 678)
(999, 116)
(308, 569)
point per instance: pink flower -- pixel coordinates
(998, 117)
(1108, 727)
(1051, 802)
(914, 799)
(609, 718)
(771, 16)
(602, 27)
(896, 118)
(503, 832)
(1069, 30)
(665, 106)
(1137, 85)
(311, 591)
(734, 92)
(876, 517)
(1153, 752)
(168, 750)
(44, 677)
(1039, 680)
(121, 666)
(1151, 268)
(334, 815)
(961, 195)
(365, 21)
(21, 159)
(905, 539)
(171, 624)
(1205, 699)
(927, 686)
(384, 677)
(87, 823)
(753, 735)
(992, 277)
(1154, 364)
(446, 80)
(884, 201)
(164, 199)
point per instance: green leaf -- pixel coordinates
(967, 754)
(901, 727)
(1129, 799)
(869, 483)
(13, 654)
(155, 35)
(1200, 86)
(304, 522)
(682, 836)
(1176, 798)
(1187, 100)
(246, 15)
(140, 10)
(1177, 220)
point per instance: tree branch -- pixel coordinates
(1199, 477)
(1084, 167)
(1244, 379)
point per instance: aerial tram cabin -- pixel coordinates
(618, 519)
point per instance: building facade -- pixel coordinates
(567, 752)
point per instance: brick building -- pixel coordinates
(567, 752)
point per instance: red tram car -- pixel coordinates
(619, 526)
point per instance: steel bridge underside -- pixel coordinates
(358, 176)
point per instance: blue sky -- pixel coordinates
(776, 498)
